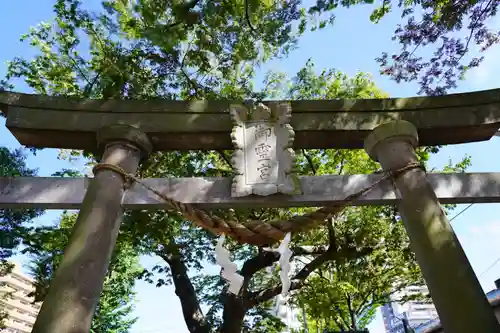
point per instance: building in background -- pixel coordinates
(412, 313)
(14, 300)
(434, 326)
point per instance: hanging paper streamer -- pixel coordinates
(228, 268)
(285, 267)
(284, 261)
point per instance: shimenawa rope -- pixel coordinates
(256, 232)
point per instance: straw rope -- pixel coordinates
(256, 232)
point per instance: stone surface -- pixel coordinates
(185, 125)
(74, 292)
(124, 134)
(395, 130)
(260, 153)
(263, 159)
(212, 193)
(455, 289)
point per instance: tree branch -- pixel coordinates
(260, 261)
(309, 161)
(184, 289)
(364, 307)
(309, 250)
(341, 315)
(298, 280)
(88, 88)
(247, 17)
(364, 303)
(352, 313)
(225, 158)
(331, 235)
(267, 294)
(339, 324)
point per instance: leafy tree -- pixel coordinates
(14, 224)
(372, 238)
(154, 49)
(344, 295)
(130, 53)
(439, 22)
(113, 314)
(435, 38)
(195, 48)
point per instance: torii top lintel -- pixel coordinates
(59, 122)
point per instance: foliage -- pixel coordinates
(345, 295)
(154, 49)
(45, 246)
(439, 22)
(369, 238)
(436, 38)
(5, 268)
(13, 223)
(171, 49)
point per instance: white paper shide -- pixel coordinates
(285, 268)
(229, 269)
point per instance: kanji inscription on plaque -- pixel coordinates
(263, 158)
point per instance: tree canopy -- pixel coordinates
(197, 48)
(455, 28)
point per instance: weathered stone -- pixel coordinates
(215, 193)
(191, 125)
(454, 288)
(74, 292)
(124, 134)
(263, 159)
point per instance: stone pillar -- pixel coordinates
(76, 287)
(459, 299)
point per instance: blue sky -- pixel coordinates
(350, 46)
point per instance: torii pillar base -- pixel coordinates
(75, 289)
(455, 290)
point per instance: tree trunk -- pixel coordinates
(233, 314)
(352, 314)
(193, 316)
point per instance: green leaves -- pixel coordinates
(434, 24)
(381, 11)
(331, 84)
(14, 222)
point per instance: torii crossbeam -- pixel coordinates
(210, 193)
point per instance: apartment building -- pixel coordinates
(21, 313)
(434, 326)
(414, 313)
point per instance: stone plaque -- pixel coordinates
(263, 159)
(260, 154)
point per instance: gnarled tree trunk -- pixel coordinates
(191, 310)
(233, 315)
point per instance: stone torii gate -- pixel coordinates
(126, 131)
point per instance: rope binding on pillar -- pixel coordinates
(257, 232)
